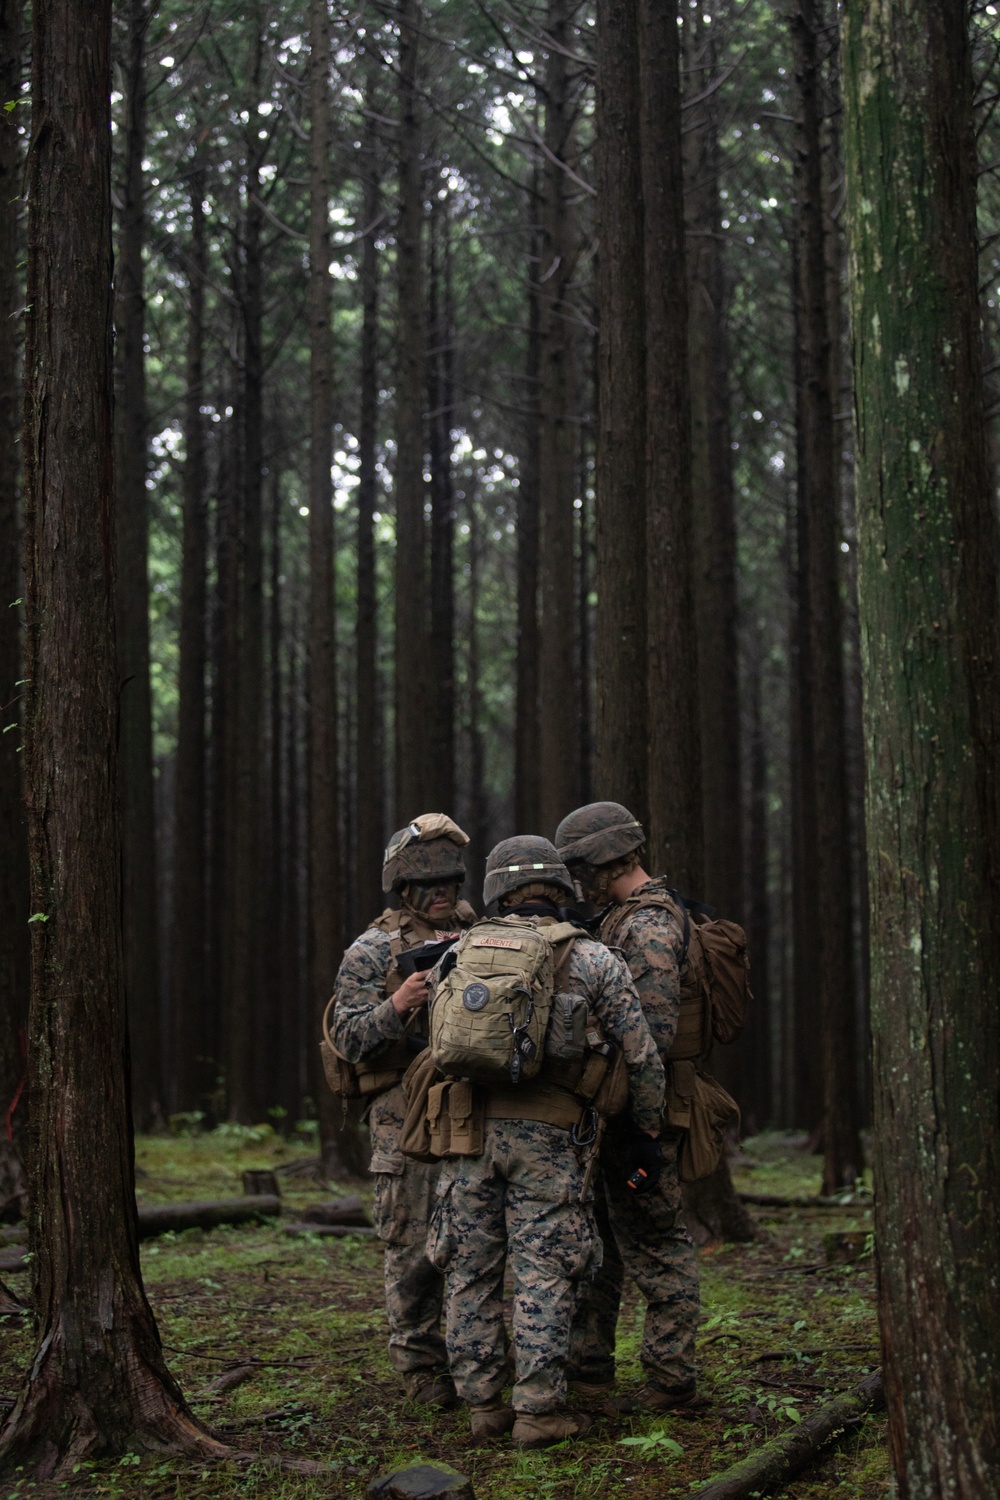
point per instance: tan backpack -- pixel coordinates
(490, 1013)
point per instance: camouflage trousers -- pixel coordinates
(519, 1200)
(645, 1237)
(404, 1199)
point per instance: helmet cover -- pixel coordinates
(521, 861)
(429, 848)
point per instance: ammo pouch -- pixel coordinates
(444, 1117)
(700, 1107)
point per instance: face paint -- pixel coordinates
(420, 897)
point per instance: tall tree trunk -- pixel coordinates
(191, 1071)
(325, 939)
(819, 505)
(98, 1382)
(526, 767)
(411, 636)
(804, 1034)
(674, 834)
(758, 1091)
(440, 404)
(713, 511)
(273, 1006)
(930, 564)
(14, 910)
(369, 818)
(558, 435)
(621, 768)
(478, 823)
(246, 754)
(142, 982)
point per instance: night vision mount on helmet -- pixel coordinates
(429, 848)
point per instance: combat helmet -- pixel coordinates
(429, 848)
(524, 860)
(598, 834)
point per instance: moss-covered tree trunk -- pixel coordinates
(98, 1382)
(929, 560)
(13, 834)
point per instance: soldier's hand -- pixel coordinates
(643, 1163)
(412, 994)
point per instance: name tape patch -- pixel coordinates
(496, 942)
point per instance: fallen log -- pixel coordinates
(777, 1462)
(13, 1260)
(328, 1231)
(163, 1218)
(773, 1200)
(348, 1210)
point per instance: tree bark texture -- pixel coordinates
(191, 1072)
(675, 835)
(713, 521)
(440, 406)
(558, 755)
(821, 617)
(98, 1381)
(325, 938)
(142, 976)
(14, 910)
(411, 636)
(369, 830)
(246, 808)
(621, 759)
(929, 568)
(526, 769)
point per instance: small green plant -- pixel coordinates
(654, 1445)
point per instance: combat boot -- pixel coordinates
(654, 1398)
(542, 1429)
(592, 1390)
(432, 1388)
(491, 1420)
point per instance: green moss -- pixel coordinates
(308, 1315)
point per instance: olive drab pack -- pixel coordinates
(490, 1013)
(715, 969)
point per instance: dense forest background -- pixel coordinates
(372, 558)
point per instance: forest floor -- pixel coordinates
(782, 1332)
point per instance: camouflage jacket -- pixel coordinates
(364, 1017)
(651, 941)
(597, 973)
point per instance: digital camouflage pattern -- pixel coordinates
(402, 1208)
(645, 1238)
(365, 1022)
(648, 1239)
(598, 834)
(522, 1198)
(651, 940)
(519, 1200)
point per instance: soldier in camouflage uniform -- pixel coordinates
(644, 1232)
(376, 1011)
(528, 1196)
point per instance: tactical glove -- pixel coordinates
(643, 1164)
